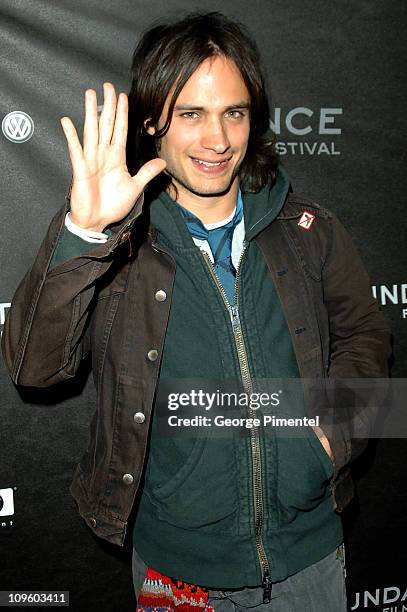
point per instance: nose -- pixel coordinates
(215, 136)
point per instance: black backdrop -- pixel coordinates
(336, 73)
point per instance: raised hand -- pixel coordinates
(103, 191)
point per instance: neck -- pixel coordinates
(208, 209)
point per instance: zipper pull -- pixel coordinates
(267, 585)
(234, 316)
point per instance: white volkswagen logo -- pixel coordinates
(17, 126)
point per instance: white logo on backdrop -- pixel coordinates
(17, 126)
(3, 311)
(302, 122)
(391, 295)
(381, 597)
(6, 502)
(6, 507)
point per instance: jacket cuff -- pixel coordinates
(75, 241)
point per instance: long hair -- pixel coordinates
(167, 56)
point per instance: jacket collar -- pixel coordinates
(260, 209)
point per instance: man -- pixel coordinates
(218, 272)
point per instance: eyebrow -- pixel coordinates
(191, 107)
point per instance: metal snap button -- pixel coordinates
(160, 296)
(139, 417)
(152, 355)
(128, 479)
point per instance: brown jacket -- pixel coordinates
(117, 297)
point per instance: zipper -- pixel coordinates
(254, 431)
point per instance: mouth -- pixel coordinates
(210, 167)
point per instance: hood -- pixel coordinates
(260, 209)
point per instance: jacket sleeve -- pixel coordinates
(74, 241)
(45, 333)
(69, 245)
(359, 341)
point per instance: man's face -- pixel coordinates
(209, 131)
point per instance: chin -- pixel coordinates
(212, 186)
(211, 190)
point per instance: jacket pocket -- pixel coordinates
(304, 472)
(326, 461)
(202, 490)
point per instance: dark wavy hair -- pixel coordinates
(168, 54)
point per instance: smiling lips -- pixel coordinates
(210, 166)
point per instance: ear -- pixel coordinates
(150, 129)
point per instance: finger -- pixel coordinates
(74, 146)
(148, 172)
(106, 121)
(119, 137)
(90, 128)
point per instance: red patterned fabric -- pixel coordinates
(160, 593)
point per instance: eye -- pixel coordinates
(190, 115)
(236, 114)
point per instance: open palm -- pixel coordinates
(103, 191)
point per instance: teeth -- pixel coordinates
(203, 163)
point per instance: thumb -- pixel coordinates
(149, 171)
